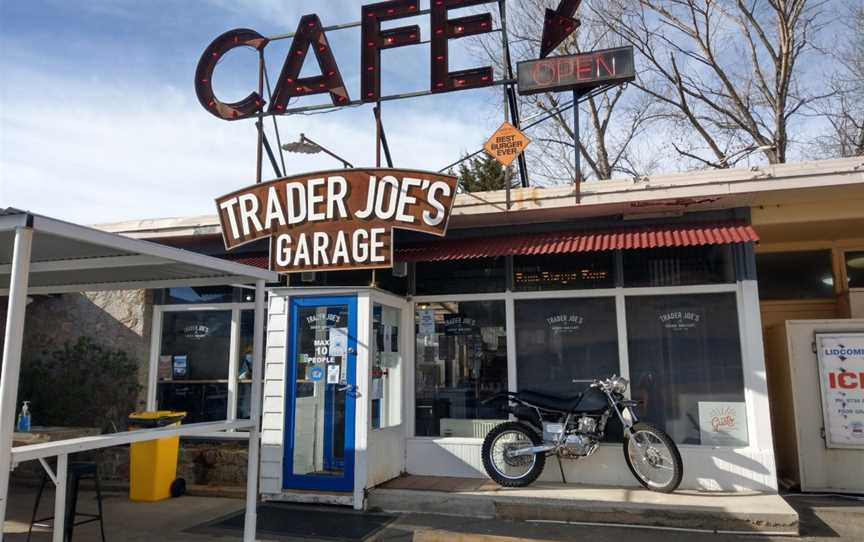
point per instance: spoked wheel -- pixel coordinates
(501, 465)
(653, 458)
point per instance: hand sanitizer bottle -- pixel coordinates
(24, 418)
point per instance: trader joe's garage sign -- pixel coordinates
(336, 220)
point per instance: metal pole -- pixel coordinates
(577, 151)
(270, 154)
(14, 337)
(377, 112)
(383, 135)
(260, 159)
(250, 525)
(60, 496)
(345, 163)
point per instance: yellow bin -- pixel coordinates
(153, 464)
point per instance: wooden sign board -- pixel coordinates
(336, 220)
(506, 144)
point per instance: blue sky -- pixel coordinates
(99, 121)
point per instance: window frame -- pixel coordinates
(619, 293)
(236, 309)
(843, 276)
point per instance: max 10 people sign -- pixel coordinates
(841, 379)
(336, 220)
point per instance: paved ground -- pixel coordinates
(823, 519)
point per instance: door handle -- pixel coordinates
(350, 388)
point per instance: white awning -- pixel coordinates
(71, 258)
(41, 255)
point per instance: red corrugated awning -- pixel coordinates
(563, 242)
(261, 261)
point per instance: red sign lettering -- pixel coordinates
(588, 70)
(290, 84)
(445, 29)
(375, 39)
(846, 380)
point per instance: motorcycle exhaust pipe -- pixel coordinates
(532, 450)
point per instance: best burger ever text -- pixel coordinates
(336, 220)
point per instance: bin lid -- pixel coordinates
(156, 415)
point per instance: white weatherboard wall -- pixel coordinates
(273, 414)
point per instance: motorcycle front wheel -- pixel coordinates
(506, 469)
(653, 458)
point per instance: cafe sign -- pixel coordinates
(336, 220)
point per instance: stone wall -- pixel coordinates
(118, 320)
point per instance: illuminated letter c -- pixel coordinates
(248, 106)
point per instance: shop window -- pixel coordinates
(577, 271)
(678, 266)
(685, 366)
(855, 269)
(795, 275)
(480, 275)
(461, 360)
(562, 340)
(193, 364)
(386, 382)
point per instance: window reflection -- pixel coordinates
(855, 269)
(685, 362)
(193, 364)
(679, 266)
(813, 276)
(561, 340)
(385, 393)
(461, 359)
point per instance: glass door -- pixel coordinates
(321, 391)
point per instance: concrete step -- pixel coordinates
(733, 512)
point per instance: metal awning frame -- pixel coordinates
(132, 254)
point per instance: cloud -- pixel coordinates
(113, 150)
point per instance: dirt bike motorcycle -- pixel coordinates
(514, 453)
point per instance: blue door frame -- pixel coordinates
(290, 480)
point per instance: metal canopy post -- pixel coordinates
(577, 178)
(249, 526)
(19, 281)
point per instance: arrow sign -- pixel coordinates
(558, 25)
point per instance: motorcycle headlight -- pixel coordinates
(619, 384)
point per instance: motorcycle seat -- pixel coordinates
(551, 402)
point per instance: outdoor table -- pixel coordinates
(40, 434)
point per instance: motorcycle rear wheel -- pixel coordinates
(525, 469)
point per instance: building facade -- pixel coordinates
(652, 279)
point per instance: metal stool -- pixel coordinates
(77, 471)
